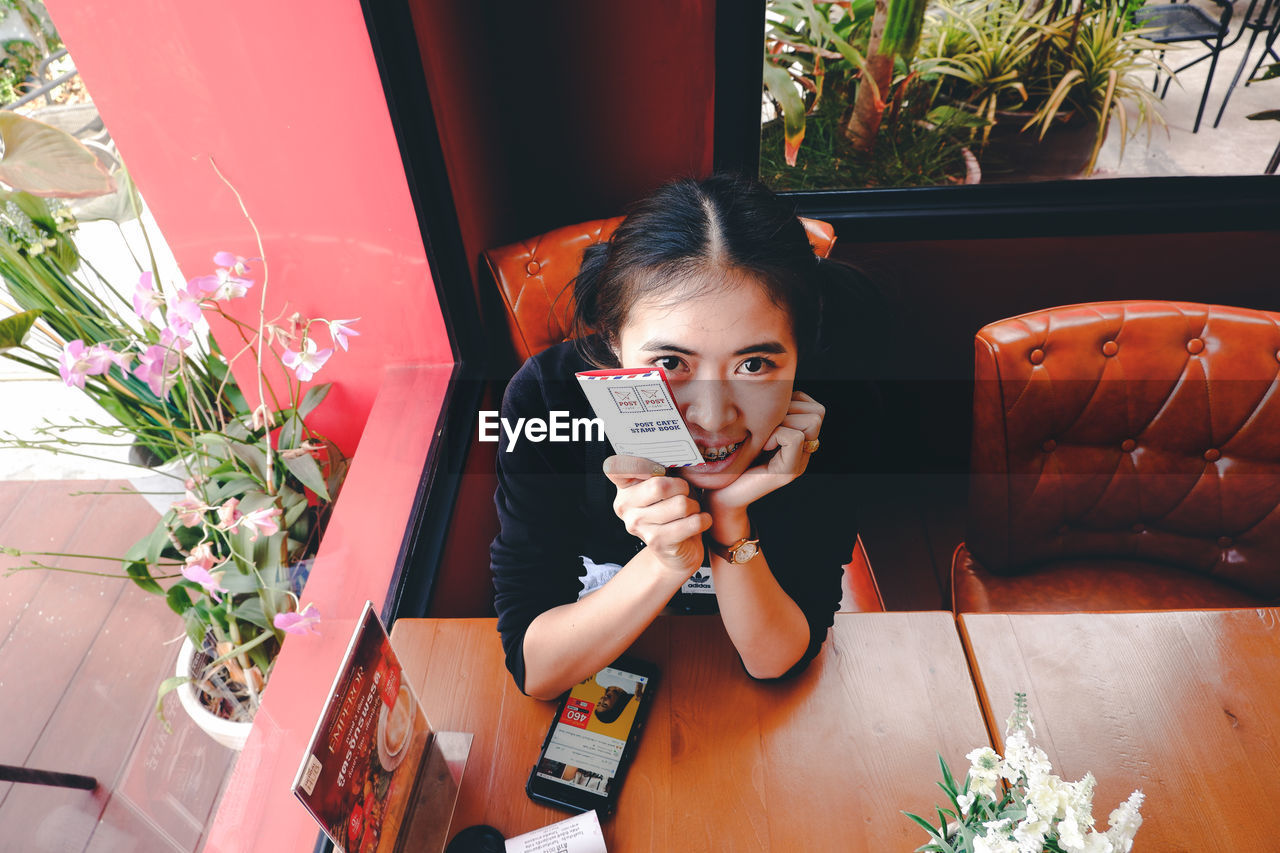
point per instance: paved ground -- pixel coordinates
(1236, 147)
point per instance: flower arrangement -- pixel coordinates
(256, 483)
(1014, 804)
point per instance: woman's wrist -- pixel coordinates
(729, 526)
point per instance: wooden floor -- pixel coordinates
(81, 658)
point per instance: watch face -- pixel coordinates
(746, 552)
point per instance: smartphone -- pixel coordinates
(592, 739)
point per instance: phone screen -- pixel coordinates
(589, 738)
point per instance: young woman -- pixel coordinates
(716, 283)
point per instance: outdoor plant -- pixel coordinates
(813, 71)
(253, 486)
(1038, 66)
(59, 298)
(1015, 804)
(805, 43)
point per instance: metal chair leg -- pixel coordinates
(1244, 60)
(9, 773)
(1205, 97)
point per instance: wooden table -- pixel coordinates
(1184, 705)
(824, 761)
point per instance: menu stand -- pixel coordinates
(436, 792)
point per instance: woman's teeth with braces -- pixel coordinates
(715, 454)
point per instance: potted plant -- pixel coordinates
(814, 68)
(256, 483)
(1047, 84)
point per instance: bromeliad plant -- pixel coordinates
(256, 483)
(1046, 62)
(1014, 804)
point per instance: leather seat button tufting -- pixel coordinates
(1037, 356)
(1110, 348)
(1128, 445)
(533, 267)
(1212, 455)
(1050, 446)
(1195, 346)
(1225, 542)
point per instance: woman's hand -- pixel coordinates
(801, 424)
(658, 509)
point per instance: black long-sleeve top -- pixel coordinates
(555, 506)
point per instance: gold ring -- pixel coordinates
(810, 445)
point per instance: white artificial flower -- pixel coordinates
(1096, 842)
(1125, 821)
(1082, 800)
(965, 801)
(1023, 759)
(984, 773)
(1030, 833)
(1048, 795)
(994, 845)
(1070, 838)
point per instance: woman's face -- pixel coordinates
(730, 355)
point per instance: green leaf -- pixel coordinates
(178, 599)
(13, 330)
(308, 472)
(166, 687)
(140, 574)
(252, 611)
(314, 397)
(951, 786)
(1272, 72)
(49, 162)
(949, 116)
(290, 433)
(197, 625)
(783, 90)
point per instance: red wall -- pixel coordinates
(286, 98)
(566, 110)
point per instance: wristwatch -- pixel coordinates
(742, 551)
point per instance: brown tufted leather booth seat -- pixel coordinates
(1126, 456)
(531, 277)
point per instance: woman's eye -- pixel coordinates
(756, 365)
(667, 362)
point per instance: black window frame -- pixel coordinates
(1154, 205)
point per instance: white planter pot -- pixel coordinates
(226, 732)
(159, 486)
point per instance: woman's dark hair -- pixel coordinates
(677, 235)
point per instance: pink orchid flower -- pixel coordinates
(202, 285)
(189, 511)
(341, 330)
(233, 263)
(229, 514)
(171, 340)
(184, 310)
(197, 567)
(298, 623)
(263, 521)
(231, 286)
(78, 362)
(157, 367)
(146, 299)
(307, 363)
